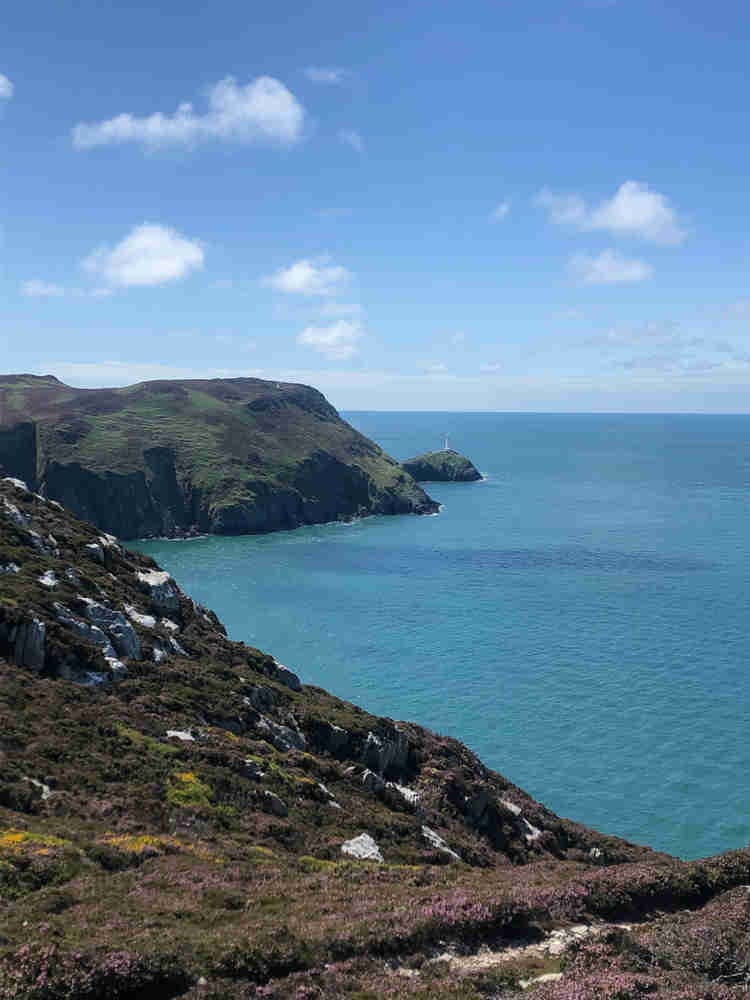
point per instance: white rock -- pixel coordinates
(409, 795)
(10, 568)
(161, 588)
(48, 579)
(44, 789)
(11, 511)
(168, 624)
(180, 734)
(123, 635)
(435, 840)
(92, 633)
(363, 848)
(534, 833)
(511, 806)
(176, 647)
(546, 977)
(373, 782)
(287, 677)
(147, 621)
(18, 483)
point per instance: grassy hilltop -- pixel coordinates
(181, 817)
(220, 455)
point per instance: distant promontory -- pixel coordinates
(446, 466)
(225, 456)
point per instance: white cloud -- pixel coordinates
(458, 339)
(608, 268)
(337, 341)
(434, 367)
(634, 210)
(149, 255)
(491, 368)
(563, 209)
(350, 137)
(501, 211)
(36, 289)
(263, 110)
(325, 74)
(7, 88)
(309, 277)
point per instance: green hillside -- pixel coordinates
(221, 455)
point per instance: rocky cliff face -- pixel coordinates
(445, 466)
(180, 816)
(169, 458)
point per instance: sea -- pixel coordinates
(580, 618)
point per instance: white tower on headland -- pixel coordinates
(446, 445)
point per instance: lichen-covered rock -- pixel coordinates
(162, 590)
(435, 840)
(363, 848)
(281, 736)
(386, 754)
(121, 632)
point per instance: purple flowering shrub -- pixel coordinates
(48, 974)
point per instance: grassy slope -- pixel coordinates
(221, 444)
(147, 862)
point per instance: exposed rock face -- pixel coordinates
(160, 587)
(446, 466)
(363, 848)
(231, 456)
(18, 451)
(28, 640)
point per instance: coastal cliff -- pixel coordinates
(226, 456)
(446, 466)
(181, 816)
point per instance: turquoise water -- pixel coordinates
(580, 619)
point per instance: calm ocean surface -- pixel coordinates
(580, 619)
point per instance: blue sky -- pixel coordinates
(423, 205)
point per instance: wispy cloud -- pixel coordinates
(608, 268)
(500, 212)
(7, 88)
(149, 255)
(309, 277)
(337, 341)
(263, 110)
(350, 137)
(36, 289)
(326, 74)
(634, 210)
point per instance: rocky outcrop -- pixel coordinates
(18, 451)
(233, 456)
(445, 466)
(363, 848)
(28, 641)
